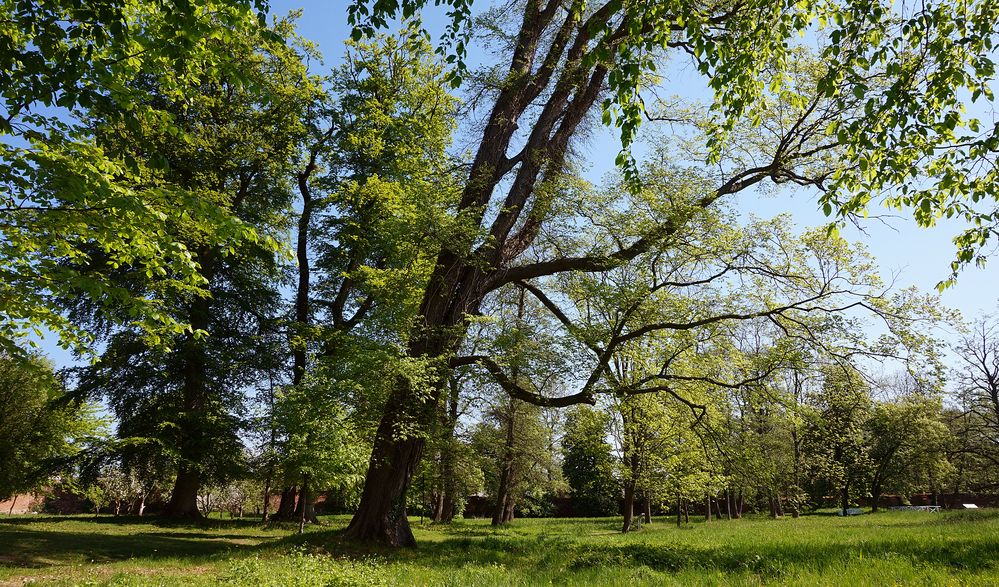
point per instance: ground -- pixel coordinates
(900, 548)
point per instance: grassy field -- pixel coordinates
(904, 548)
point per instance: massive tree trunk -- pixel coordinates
(398, 446)
(184, 499)
(568, 84)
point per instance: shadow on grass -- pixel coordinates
(33, 542)
(536, 547)
(548, 554)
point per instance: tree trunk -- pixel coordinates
(303, 500)
(381, 515)
(438, 507)
(629, 504)
(286, 507)
(707, 509)
(845, 498)
(502, 495)
(508, 512)
(267, 499)
(184, 499)
(449, 483)
(728, 504)
(647, 508)
(679, 511)
(13, 501)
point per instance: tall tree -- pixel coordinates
(561, 57)
(241, 136)
(588, 463)
(42, 428)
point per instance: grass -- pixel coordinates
(903, 548)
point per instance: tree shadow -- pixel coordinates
(34, 543)
(553, 554)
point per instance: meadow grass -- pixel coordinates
(903, 548)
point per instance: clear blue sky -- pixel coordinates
(917, 256)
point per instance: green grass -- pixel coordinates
(904, 548)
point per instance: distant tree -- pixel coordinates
(908, 444)
(977, 381)
(588, 463)
(42, 429)
(837, 452)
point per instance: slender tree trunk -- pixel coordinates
(449, 483)
(679, 511)
(707, 509)
(647, 507)
(13, 501)
(267, 498)
(728, 504)
(303, 501)
(845, 498)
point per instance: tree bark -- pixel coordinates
(184, 499)
(647, 508)
(286, 507)
(629, 504)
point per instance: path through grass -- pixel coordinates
(904, 548)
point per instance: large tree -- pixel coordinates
(66, 199)
(241, 136)
(856, 121)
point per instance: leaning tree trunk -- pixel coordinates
(398, 446)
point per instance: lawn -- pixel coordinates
(904, 548)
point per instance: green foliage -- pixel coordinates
(68, 200)
(588, 464)
(319, 438)
(42, 429)
(835, 447)
(889, 89)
